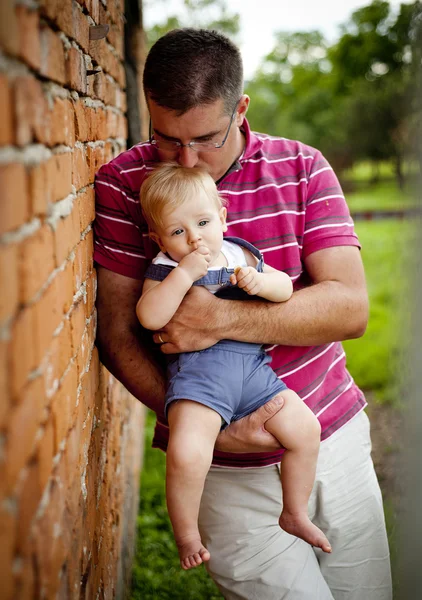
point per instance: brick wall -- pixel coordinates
(70, 435)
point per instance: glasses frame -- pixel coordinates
(193, 145)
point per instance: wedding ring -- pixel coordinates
(160, 338)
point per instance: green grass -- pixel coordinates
(365, 171)
(377, 361)
(385, 195)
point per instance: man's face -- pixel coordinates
(207, 122)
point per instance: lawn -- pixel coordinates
(373, 360)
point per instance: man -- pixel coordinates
(285, 199)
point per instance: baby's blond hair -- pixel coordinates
(169, 185)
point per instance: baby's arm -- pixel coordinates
(161, 299)
(271, 284)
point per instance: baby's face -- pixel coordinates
(196, 222)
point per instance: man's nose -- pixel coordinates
(187, 157)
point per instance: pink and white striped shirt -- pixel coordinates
(284, 198)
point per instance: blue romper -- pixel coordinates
(233, 378)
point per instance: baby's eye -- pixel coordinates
(177, 232)
(203, 223)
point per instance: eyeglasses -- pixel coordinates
(175, 146)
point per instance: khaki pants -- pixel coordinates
(253, 559)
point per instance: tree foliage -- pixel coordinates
(359, 98)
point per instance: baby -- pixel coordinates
(209, 389)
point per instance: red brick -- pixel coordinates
(112, 121)
(23, 350)
(47, 317)
(52, 56)
(63, 405)
(78, 325)
(29, 499)
(39, 189)
(99, 86)
(85, 348)
(36, 255)
(85, 203)
(7, 120)
(62, 123)
(95, 158)
(91, 289)
(60, 355)
(65, 287)
(76, 70)
(8, 281)
(121, 127)
(22, 427)
(9, 31)
(4, 384)
(29, 38)
(66, 236)
(82, 122)
(80, 169)
(59, 175)
(14, 206)
(25, 585)
(44, 453)
(80, 28)
(83, 263)
(7, 548)
(32, 117)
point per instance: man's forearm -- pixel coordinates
(131, 360)
(322, 313)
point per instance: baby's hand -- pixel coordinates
(196, 263)
(248, 279)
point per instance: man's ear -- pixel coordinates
(223, 217)
(156, 238)
(242, 109)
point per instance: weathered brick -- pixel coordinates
(82, 122)
(32, 117)
(78, 325)
(80, 169)
(4, 384)
(85, 205)
(14, 206)
(22, 427)
(47, 317)
(36, 255)
(60, 355)
(91, 290)
(121, 127)
(29, 500)
(95, 158)
(7, 120)
(52, 56)
(8, 281)
(44, 453)
(39, 189)
(9, 30)
(83, 262)
(66, 236)
(29, 37)
(7, 548)
(76, 70)
(63, 405)
(65, 288)
(62, 123)
(59, 175)
(23, 350)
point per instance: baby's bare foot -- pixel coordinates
(301, 526)
(192, 553)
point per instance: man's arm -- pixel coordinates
(333, 308)
(123, 346)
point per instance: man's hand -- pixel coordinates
(196, 263)
(248, 279)
(249, 434)
(193, 326)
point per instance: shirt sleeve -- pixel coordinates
(328, 221)
(118, 226)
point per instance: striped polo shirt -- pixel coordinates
(284, 198)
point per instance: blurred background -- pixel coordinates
(343, 77)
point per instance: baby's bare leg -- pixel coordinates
(299, 431)
(193, 430)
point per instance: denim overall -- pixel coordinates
(232, 378)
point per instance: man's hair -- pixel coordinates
(189, 67)
(169, 186)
